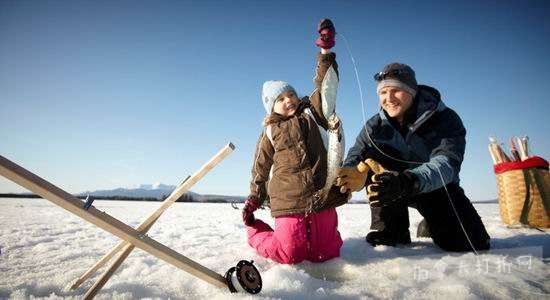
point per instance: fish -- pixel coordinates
(329, 89)
(333, 136)
(335, 157)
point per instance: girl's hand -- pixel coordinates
(327, 33)
(248, 212)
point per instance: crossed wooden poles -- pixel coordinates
(131, 237)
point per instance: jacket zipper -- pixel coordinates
(308, 236)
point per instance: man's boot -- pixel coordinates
(423, 231)
(387, 238)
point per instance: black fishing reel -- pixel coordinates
(244, 278)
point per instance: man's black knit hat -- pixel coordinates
(397, 75)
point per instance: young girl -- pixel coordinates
(290, 166)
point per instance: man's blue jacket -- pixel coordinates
(432, 134)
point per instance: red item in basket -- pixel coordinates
(531, 162)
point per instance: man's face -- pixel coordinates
(395, 101)
(286, 104)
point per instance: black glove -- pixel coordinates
(388, 187)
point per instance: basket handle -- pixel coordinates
(526, 203)
(542, 190)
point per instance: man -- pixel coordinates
(428, 140)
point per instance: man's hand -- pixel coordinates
(388, 187)
(352, 178)
(248, 212)
(327, 33)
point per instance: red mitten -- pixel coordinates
(248, 212)
(327, 32)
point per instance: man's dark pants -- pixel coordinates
(444, 226)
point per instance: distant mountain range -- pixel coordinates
(160, 191)
(157, 190)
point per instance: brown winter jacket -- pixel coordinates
(297, 156)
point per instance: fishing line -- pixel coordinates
(397, 159)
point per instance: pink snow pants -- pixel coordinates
(297, 238)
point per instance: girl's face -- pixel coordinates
(286, 104)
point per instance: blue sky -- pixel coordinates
(103, 94)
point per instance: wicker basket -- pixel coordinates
(523, 192)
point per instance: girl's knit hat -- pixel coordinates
(271, 91)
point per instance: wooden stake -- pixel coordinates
(98, 285)
(100, 263)
(48, 191)
(146, 225)
(493, 155)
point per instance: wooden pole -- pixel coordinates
(100, 263)
(106, 222)
(145, 226)
(98, 285)
(494, 154)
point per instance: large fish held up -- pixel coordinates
(333, 137)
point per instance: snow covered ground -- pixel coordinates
(44, 248)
